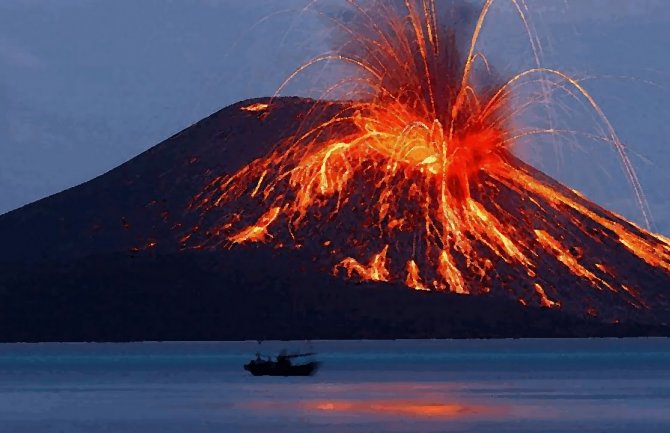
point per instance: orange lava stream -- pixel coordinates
(564, 256)
(413, 279)
(375, 271)
(259, 231)
(653, 249)
(544, 299)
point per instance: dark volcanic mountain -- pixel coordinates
(108, 260)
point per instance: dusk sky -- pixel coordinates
(87, 85)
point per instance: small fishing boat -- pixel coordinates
(283, 365)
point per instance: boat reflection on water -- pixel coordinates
(283, 365)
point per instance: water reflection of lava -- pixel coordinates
(401, 408)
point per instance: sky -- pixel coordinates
(88, 84)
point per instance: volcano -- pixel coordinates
(131, 255)
(393, 206)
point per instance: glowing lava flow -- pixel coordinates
(404, 182)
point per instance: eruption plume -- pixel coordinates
(411, 179)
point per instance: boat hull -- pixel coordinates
(274, 369)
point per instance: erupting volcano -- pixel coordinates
(394, 206)
(413, 178)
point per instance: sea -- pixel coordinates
(525, 385)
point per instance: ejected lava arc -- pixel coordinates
(411, 178)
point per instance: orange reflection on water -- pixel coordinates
(414, 408)
(418, 401)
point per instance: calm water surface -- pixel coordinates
(617, 385)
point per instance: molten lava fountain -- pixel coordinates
(412, 179)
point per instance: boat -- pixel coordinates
(283, 365)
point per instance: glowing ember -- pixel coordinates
(403, 183)
(259, 106)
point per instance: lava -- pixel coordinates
(405, 181)
(258, 106)
(375, 271)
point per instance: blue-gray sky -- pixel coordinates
(87, 84)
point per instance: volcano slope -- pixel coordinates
(133, 255)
